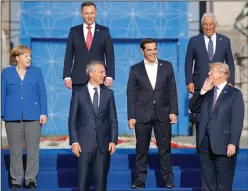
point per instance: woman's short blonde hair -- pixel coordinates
(19, 50)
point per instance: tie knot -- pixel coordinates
(95, 89)
(210, 38)
(216, 88)
(88, 27)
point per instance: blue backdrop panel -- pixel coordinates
(45, 27)
(47, 55)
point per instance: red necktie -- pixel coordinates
(89, 37)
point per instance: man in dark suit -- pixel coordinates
(93, 127)
(88, 41)
(221, 114)
(204, 49)
(152, 102)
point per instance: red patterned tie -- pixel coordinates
(89, 37)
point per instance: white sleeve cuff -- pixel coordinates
(109, 78)
(203, 92)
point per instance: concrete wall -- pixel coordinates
(226, 13)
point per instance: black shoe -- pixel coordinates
(138, 185)
(15, 186)
(31, 185)
(170, 182)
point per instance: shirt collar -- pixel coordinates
(212, 37)
(92, 26)
(146, 63)
(222, 85)
(92, 87)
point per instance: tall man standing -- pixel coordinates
(88, 41)
(221, 114)
(204, 49)
(152, 102)
(93, 127)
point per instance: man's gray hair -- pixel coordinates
(222, 67)
(90, 66)
(208, 15)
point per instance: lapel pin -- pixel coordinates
(160, 64)
(97, 29)
(220, 38)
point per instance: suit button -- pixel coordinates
(22, 84)
(21, 97)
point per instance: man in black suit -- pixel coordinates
(88, 41)
(93, 127)
(204, 49)
(221, 114)
(152, 102)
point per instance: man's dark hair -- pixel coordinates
(146, 41)
(85, 4)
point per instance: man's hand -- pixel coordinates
(112, 148)
(76, 149)
(131, 123)
(68, 83)
(208, 85)
(108, 82)
(191, 88)
(173, 118)
(43, 119)
(231, 150)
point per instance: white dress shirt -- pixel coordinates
(206, 39)
(92, 92)
(220, 88)
(93, 26)
(151, 70)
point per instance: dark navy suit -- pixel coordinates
(93, 132)
(225, 125)
(77, 55)
(151, 108)
(197, 54)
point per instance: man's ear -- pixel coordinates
(142, 51)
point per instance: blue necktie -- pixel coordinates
(215, 97)
(95, 100)
(210, 49)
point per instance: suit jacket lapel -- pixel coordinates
(210, 101)
(159, 74)
(146, 78)
(102, 100)
(221, 96)
(202, 44)
(82, 33)
(95, 36)
(88, 99)
(218, 42)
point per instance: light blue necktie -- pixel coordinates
(95, 100)
(215, 97)
(210, 49)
